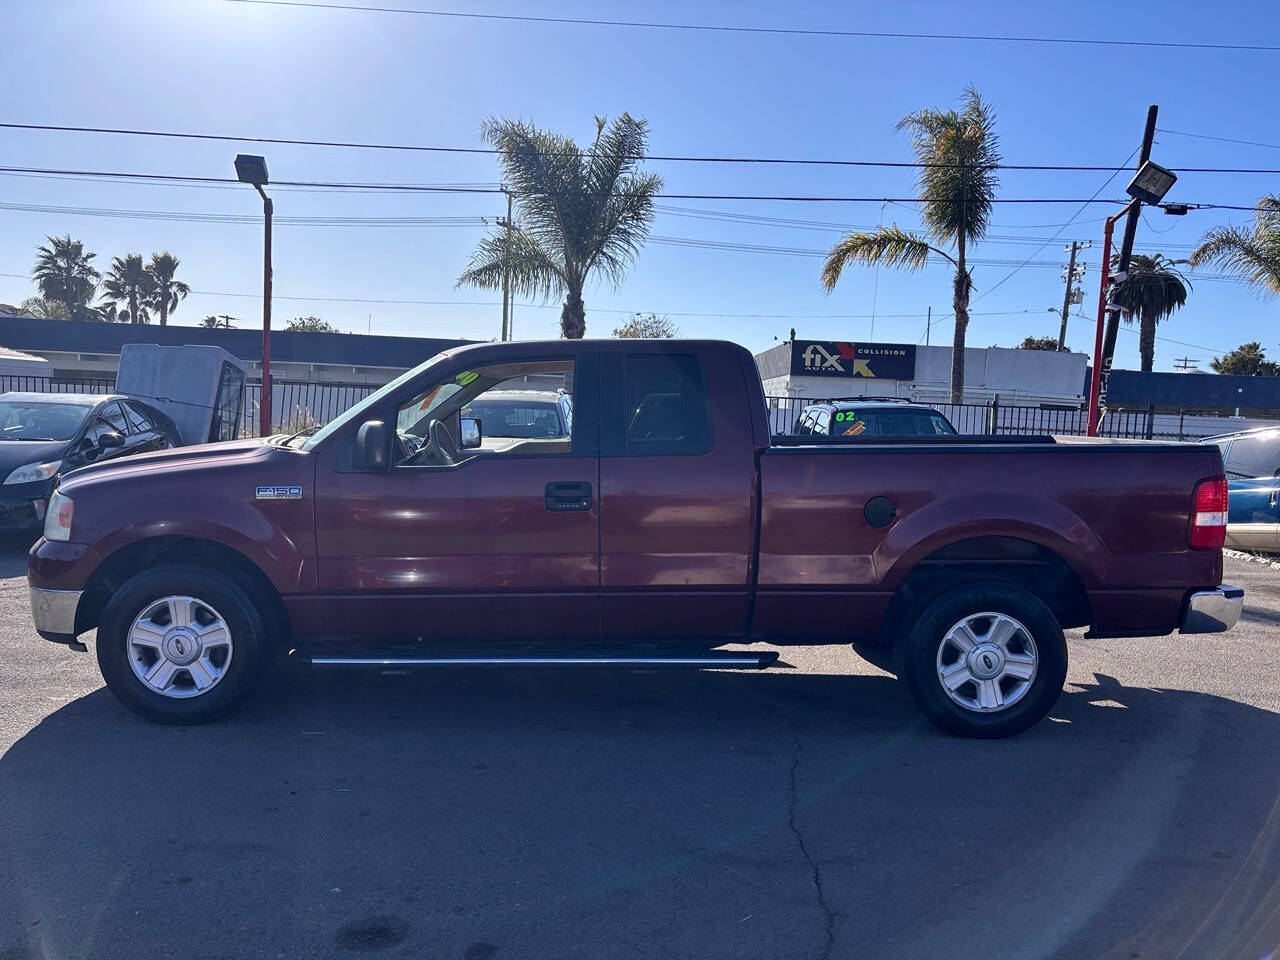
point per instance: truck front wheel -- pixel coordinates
(181, 644)
(985, 660)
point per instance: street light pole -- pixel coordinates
(253, 170)
(264, 422)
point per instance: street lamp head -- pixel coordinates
(251, 169)
(1151, 183)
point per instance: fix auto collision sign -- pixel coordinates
(839, 358)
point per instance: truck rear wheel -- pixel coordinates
(985, 660)
(181, 644)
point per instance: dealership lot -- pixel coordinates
(803, 812)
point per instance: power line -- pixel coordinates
(250, 219)
(999, 283)
(556, 306)
(442, 189)
(786, 31)
(415, 188)
(420, 148)
(1205, 136)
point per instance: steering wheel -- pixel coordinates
(443, 449)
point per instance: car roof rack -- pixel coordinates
(877, 399)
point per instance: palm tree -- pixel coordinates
(1152, 291)
(958, 153)
(64, 273)
(575, 212)
(130, 284)
(166, 291)
(1253, 254)
(44, 308)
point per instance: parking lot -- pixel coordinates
(805, 812)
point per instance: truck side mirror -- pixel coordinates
(371, 446)
(471, 433)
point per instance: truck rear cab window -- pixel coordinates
(665, 406)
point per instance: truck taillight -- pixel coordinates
(1209, 514)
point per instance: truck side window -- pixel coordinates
(520, 408)
(823, 423)
(666, 405)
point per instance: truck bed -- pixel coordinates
(1115, 511)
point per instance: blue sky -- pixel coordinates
(231, 68)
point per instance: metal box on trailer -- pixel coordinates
(200, 387)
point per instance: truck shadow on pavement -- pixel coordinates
(576, 815)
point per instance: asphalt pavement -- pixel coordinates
(806, 812)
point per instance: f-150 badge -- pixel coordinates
(279, 493)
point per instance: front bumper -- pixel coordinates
(54, 613)
(22, 514)
(1213, 611)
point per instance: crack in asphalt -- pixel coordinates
(793, 803)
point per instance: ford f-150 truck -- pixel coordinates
(666, 529)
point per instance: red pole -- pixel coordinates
(264, 407)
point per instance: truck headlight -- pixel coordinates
(57, 519)
(33, 472)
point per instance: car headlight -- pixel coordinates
(33, 472)
(57, 519)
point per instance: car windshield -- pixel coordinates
(890, 423)
(516, 417)
(33, 420)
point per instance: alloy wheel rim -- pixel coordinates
(987, 662)
(179, 647)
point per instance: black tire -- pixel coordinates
(919, 657)
(243, 620)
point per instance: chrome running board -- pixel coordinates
(732, 660)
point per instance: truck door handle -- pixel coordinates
(565, 495)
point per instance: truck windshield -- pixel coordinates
(372, 400)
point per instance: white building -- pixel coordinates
(808, 369)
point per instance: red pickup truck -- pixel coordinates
(664, 526)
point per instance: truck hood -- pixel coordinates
(174, 459)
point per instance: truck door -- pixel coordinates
(677, 479)
(491, 544)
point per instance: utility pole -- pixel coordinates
(1184, 363)
(927, 324)
(1069, 297)
(506, 273)
(1126, 251)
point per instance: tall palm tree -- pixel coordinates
(64, 273)
(1152, 291)
(959, 154)
(1253, 254)
(166, 291)
(130, 284)
(575, 211)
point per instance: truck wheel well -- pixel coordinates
(1029, 565)
(130, 560)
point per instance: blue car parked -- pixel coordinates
(1253, 514)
